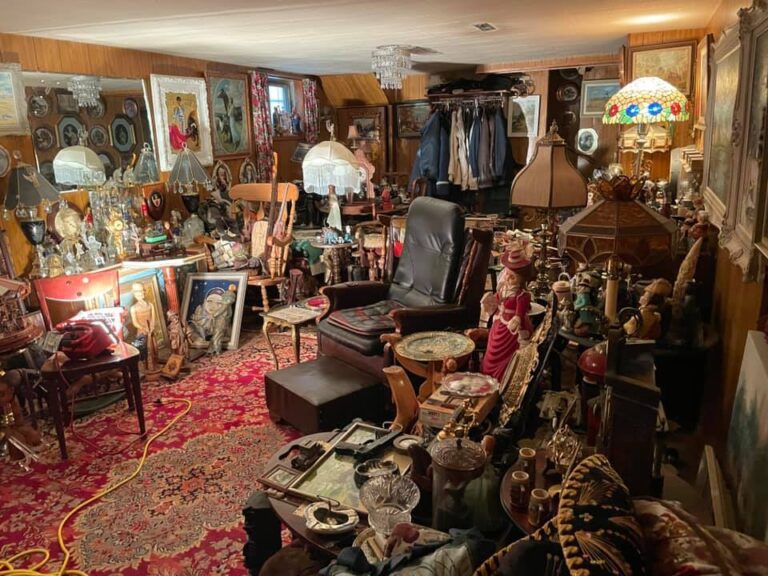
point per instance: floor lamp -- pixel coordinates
(549, 182)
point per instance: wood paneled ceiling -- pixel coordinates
(336, 36)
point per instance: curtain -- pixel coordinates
(311, 124)
(262, 126)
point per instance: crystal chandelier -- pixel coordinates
(86, 90)
(390, 63)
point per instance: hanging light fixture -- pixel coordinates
(79, 166)
(390, 63)
(86, 90)
(146, 166)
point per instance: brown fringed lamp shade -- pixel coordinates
(550, 180)
(618, 225)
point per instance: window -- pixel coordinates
(280, 96)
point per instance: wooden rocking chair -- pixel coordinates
(272, 247)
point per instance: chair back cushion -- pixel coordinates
(434, 245)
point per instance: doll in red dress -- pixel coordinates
(511, 326)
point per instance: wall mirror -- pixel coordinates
(112, 112)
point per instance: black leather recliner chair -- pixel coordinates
(437, 285)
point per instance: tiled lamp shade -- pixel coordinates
(647, 101)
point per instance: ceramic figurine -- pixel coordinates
(511, 325)
(334, 212)
(144, 320)
(176, 336)
(562, 292)
(586, 314)
(651, 302)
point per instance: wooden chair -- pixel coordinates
(372, 248)
(60, 299)
(278, 246)
(404, 397)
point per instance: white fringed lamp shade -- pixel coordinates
(330, 163)
(549, 181)
(78, 166)
(646, 101)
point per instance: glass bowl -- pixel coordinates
(373, 468)
(389, 501)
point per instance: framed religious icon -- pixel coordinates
(212, 308)
(122, 134)
(180, 109)
(222, 181)
(13, 102)
(672, 62)
(747, 202)
(703, 56)
(411, 118)
(718, 138)
(595, 94)
(247, 172)
(230, 114)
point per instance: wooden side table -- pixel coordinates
(339, 255)
(293, 316)
(56, 379)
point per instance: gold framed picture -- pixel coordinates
(672, 62)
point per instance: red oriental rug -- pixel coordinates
(182, 515)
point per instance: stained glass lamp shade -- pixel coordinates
(187, 173)
(27, 189)
(146, 166)
(617, 227)
(645, 101)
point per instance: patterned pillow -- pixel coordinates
(598, 530)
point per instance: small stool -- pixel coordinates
(323, 394)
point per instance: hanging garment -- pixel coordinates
(474, 143)
(443, 186)
(466, 180)
(485, 178)
(454, 174)
(428, 155)
(500, 152)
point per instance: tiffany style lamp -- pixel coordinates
(646, 101)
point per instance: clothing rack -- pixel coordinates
(473, 97)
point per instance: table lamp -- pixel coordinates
(617, 228)
(27, 191)
(549, 182)
(645, 101)
(353, 136)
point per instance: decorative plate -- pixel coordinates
(404, 441)
(131, 107)
(569, 73)
(43, 138)
(122, 134)
(98, 136)
(99, 110)
(434, 346)
(5, 162)
(567, 93)
(323, 518)
(469, 384)
(39, 105)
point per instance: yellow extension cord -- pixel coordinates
(6, 565)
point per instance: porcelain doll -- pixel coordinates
(511, 325)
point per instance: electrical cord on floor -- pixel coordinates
(7, 565)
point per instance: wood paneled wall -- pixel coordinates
(353, 90)
(57, 56)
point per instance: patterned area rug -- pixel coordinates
(182, 515)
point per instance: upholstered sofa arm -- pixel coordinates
(410, 320)
(353, 294)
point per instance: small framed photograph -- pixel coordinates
(595, 94)
(523, 117)
(68, 131)
(672, 62)
(280, 477)
(587, 141)
(367, 127)
(411, 118)
(130, 107)
(66, 103)
(247, 173)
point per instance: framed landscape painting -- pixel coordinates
(411, 118)
(13, 102)
(595, 94)
(180, 107)
(672, 62)
(523, 120)
(230, 114)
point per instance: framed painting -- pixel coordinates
(718, 146)
(66, 103)
(672, 62)
(68, 131)
(410, 118)
(230, 114)
(523, 116)
(747, 202)
(122, 134)
(703, 53)
(143, 285)
(595, 94)
(214, 300)
(180, 110)
(13, 101)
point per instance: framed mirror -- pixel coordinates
(112, 112)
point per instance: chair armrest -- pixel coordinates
(353, 294)
(410, 320)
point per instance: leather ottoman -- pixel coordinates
(324, 394)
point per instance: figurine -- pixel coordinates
(178, 339)
(144, 320)
(295, 122)
(562, 292)
(334, 210)
(213, 318)
(586, 320)
(651, 302)
(511, 324)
